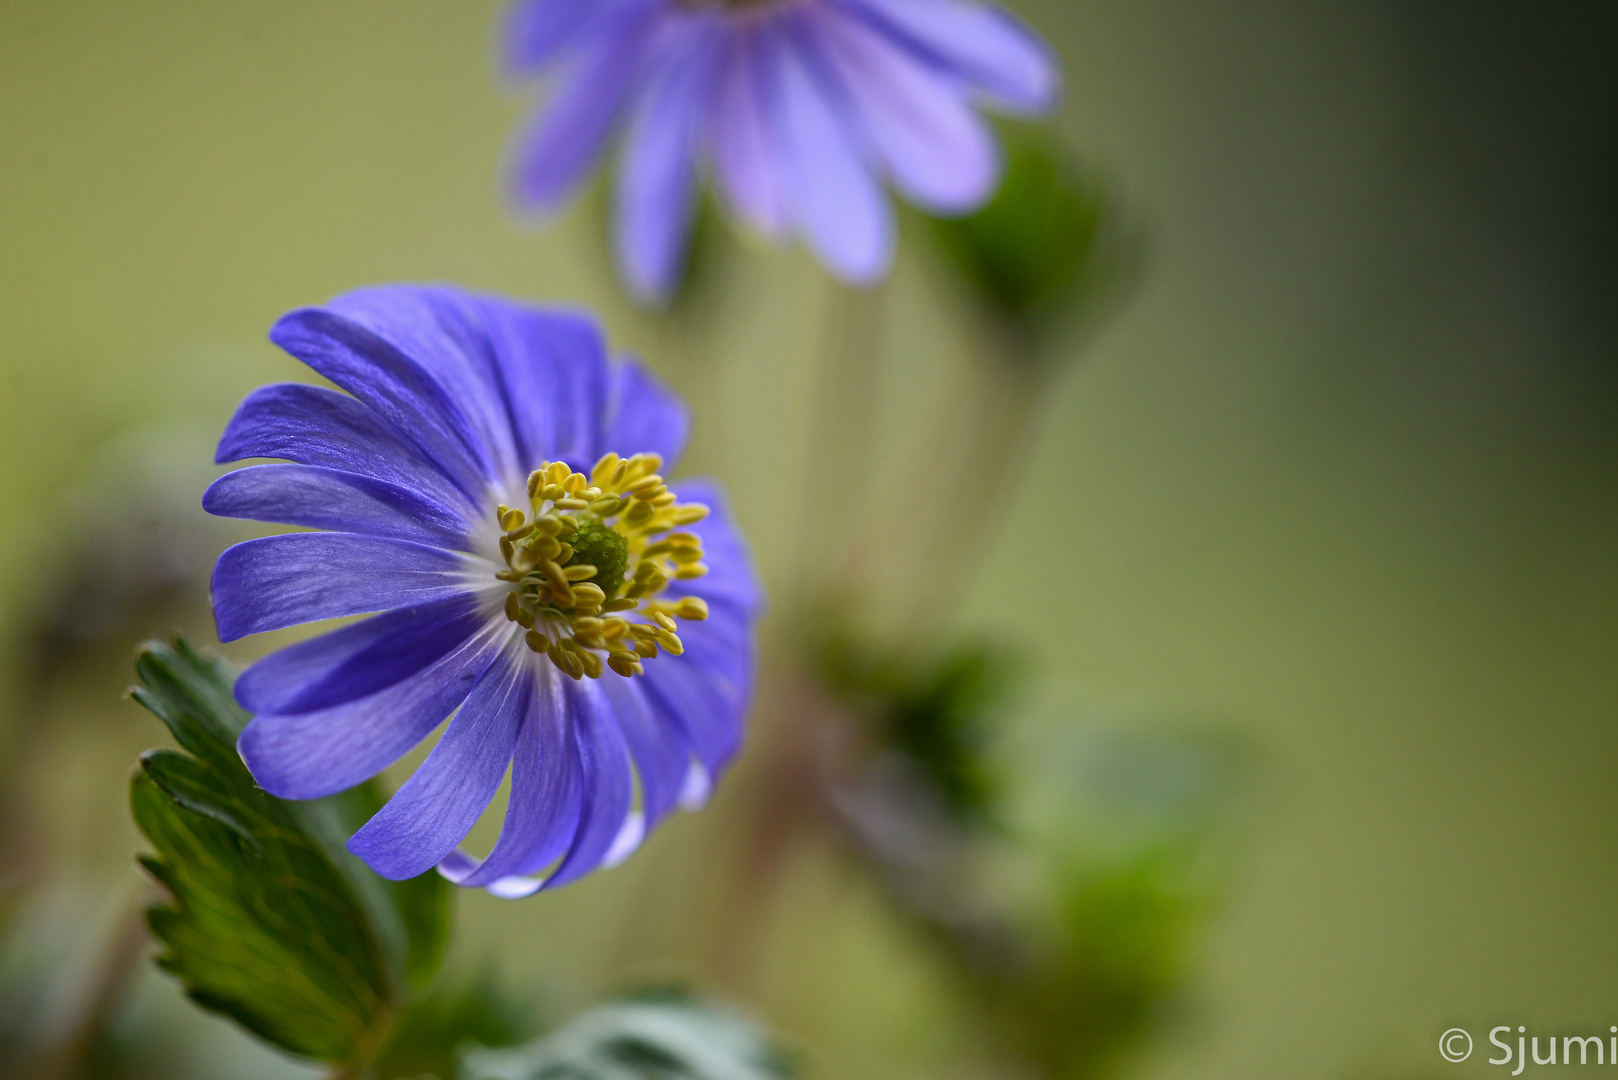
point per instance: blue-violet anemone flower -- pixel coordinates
(488, 490)
(797, 107)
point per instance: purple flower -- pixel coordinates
(796, 107)
(587, 624)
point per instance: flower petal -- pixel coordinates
(731, 577)
(657, 179)
(646, 416)
(279, 581)
(313, 754)
(359, 659)
(536, 30)
(312, 425)
(835, 201)
(980, 43)
(437, 806)
(553, 365)
(705, 709)
(328, 499)
(662, 758)
(934, 146)
(565, 142)
(607, 787)
(543, 815)
(399, 389)
(743, 149)
(441, 330)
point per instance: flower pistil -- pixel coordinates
(594, 553)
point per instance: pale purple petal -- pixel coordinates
(279, 581)
(662, 756)
(441, 802)
(744, 147)
(835, 201)
(568, 139)
(979, 43)
(657, 180)
(553, 365)
(938, 152)
(313, 754)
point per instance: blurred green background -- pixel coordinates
(1338, 483)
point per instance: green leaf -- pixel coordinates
(639, 1040)
(268, 919)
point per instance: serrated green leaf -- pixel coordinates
(269, 920)
(639, 1040)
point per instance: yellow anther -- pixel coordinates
(689, 514)
(525, 618)
(524, 558)
(646, 650)
(589, 592)
(687, 556)
(626, 664)
(644, 631)
(605, 508)
(506, 548)
(536, 483)
(603, 468)
(694, 608)
(665, 498)
(664, 621)
(612, 629)
(623, 603)
(576, 482)
(571, 503)
(620, 471)
(564, 552)
(537, 641)
(546, 547)
(579, 572)
(671, 643)
(645, 483)
(512, 607)
(567, 524)
(556, 472)
(511, 519)
(689, 573)
(549, 525)
(521, 531)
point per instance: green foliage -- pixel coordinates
(937, 711)
(664, 1038)
(1046, 239)
(431, 1032)
(268, 920)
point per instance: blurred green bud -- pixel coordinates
(1052, 241)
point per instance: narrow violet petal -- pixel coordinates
(328, 499)
(979, 43)
(836, 203)
(566, 141)
(313, 754)
(437, 806)
(645, 416)
(657, 179)
(543, 814)
(933, 145)
(607, 786)
(707, 711)
(536, 30)
(395, 386)
(553, 365)
(359, 659)
(312, 425)
(661, 755)
(744, 153)
(279, 581)
(441, 330)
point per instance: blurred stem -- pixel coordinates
(109, 983)
(842, 427)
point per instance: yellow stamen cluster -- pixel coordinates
(627, 520)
